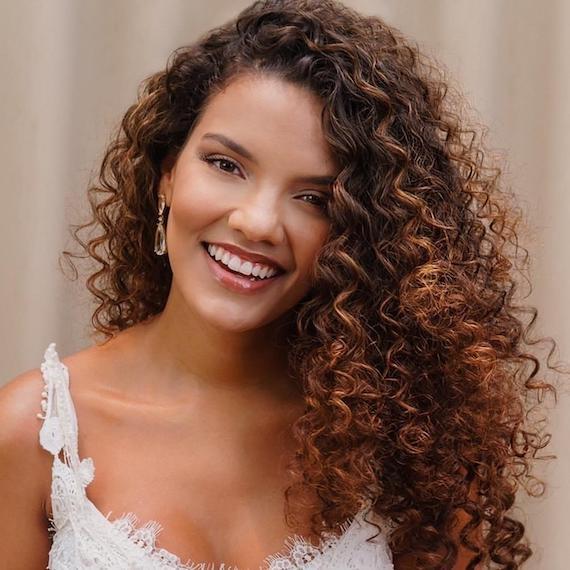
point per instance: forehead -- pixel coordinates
(263, 112)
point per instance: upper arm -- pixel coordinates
(25, 476)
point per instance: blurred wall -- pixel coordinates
(70, 69)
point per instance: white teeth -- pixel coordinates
(236, 264)
(246, 268)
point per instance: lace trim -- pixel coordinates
(144, 537)
(70, 504)
(296, 553)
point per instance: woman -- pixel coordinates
(312, 357)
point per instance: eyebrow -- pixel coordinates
(239, 149)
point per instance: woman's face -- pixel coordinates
(248, 177)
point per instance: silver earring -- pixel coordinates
(160, 235)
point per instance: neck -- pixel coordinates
(187, 350)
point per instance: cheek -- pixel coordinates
(193, 207)
(308, 242)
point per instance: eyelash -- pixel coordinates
(211, 159)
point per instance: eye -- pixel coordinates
(226, 165)
(316, 200)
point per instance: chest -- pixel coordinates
(216, 487)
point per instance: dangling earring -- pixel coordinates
(160, 235)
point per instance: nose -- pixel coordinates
(257, 216)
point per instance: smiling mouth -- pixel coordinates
(226, 268)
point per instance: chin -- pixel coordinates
(230, 321)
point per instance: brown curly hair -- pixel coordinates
(410, 347)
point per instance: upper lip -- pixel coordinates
(248, 255)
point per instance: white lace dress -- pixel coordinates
(83, 538)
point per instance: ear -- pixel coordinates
(167, 168)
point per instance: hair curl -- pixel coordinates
(410, 346)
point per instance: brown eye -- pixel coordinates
(225, 164)
(315, 200)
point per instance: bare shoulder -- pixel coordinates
(20, 402)
(25, 474)
(25, 467)
(20, 450)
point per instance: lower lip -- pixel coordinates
(234, 282)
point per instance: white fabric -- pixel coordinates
(83, 538)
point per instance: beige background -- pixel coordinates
(69, 70)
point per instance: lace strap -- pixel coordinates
(59, 429)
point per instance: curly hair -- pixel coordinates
(412, 352)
